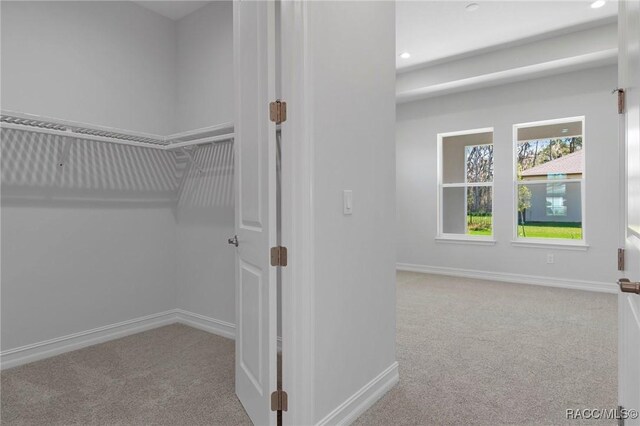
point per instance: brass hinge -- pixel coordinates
(279, 401)
(620, 259)
(278, 256)
(621, 100)
(278, 111)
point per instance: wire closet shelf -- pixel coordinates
(53, 126)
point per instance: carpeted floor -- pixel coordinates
(488, 353)
(174, 375)
(470, 352)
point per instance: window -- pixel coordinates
(549, 180)
(466, 184)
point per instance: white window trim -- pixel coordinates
(480, 240)
(462, 238)
(550, 242)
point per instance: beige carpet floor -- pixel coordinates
(488, 353)
(470, 352)
(174, 375)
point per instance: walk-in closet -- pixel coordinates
(197, 211)
(117, 177)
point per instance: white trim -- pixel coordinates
(204, 323)
(226, 127)
(597, 286)
(552, 243)
(461, 239)
(40, 350)
(548, 181)
(466, 184)
(547, 123)
(71, 342)
(517, 183)
(440, 234)
(347, 412)
(298, 210)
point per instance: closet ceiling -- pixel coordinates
(172, 9)
(435, 30)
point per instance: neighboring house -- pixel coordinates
(554, 201)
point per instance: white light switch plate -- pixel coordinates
(347, 198)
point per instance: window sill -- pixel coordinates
(553, 244)
(479, 241)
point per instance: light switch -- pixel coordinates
(347, 201)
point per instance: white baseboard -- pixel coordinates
(48, 348)
(347, 412)
(71, 342)
(211, 325)
(602, 287)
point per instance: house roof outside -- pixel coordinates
(566, 165)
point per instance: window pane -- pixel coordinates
(553, 158)
(467, 210)
(453, 203)
(479, 210)
(550, 210)
(479, 163)
(456, 164)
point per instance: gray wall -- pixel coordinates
(205, 67)
(585, 93)
(67, 269)
(353, 110)
(98, 62)
(205, 215)
(85, 245)
(113, 235)
(205, 220)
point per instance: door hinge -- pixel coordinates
(279, 401)
(620, 259)
(278, 111)
(621, 100)
(278, 256)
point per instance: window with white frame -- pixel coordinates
(466, 184)
(549, 179)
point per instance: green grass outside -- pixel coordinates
(563, 230)
(481, 225)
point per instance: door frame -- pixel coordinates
(625, 234)
(297, 207)
(622, 149)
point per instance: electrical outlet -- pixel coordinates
(550, 258)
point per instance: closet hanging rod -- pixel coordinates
(210, 139)
(217, 129)
(33, 123)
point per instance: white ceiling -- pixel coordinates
(435, 30)
(175, 10)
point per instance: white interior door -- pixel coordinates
(255, 181)
(629, 303)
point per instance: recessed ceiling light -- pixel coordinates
(565, 130)
(405, 55)
(597, 4)
(472, 7)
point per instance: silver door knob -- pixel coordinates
(626, 286)
(233, 240)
